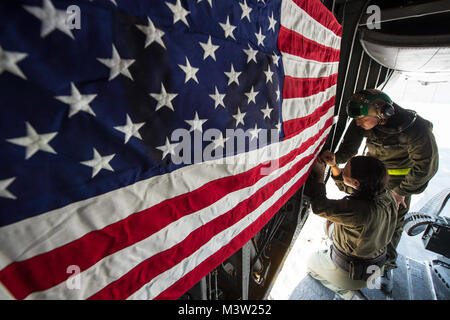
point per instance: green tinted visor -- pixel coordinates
(357, 107)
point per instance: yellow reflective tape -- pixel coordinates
(398, 172)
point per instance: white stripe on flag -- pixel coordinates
(298, 67)
(301, 107)
(295, 18)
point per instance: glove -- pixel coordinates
(328, 157)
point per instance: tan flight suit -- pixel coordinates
(407, 147)
(362, 229)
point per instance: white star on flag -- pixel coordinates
(152, 34)
(267, 111)
(232, 76)
(254, 133)
(189, 71)
(117, 65)
(272, 23)
(209, 49)
(164, 99)
(239, 117)
(179, 13)
(4, 184)
(228, 28)
(51, 18)
(196, 123)
(251, 54)
(245, 11)
(167, 148)
(268, 74)
(260, 37)
(251, 95)
(275, 59)
(33, 142)
(98, 163)
(209, 1)
(9, 60)
(130, 129)
(218, 98)
(278, 126)
(220, 141)
(77, 102)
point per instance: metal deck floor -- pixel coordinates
(413, 280)
(416, 277)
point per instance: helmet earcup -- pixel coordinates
(387, 110)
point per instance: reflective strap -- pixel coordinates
(398, 172)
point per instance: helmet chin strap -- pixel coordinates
(381, 120)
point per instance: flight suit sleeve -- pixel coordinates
(338, 211)
(423, 152)
(352, 141)
(339, 182)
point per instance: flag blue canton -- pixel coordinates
(88, 111)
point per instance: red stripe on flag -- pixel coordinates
(294, 126)
(320, 13)
(305, 87)
(147, 270)
(49, 269)
(189, 280)
(295, 44)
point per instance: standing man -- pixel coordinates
(403, 141)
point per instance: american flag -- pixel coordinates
(92, 203)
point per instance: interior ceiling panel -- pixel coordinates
(408, 53)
